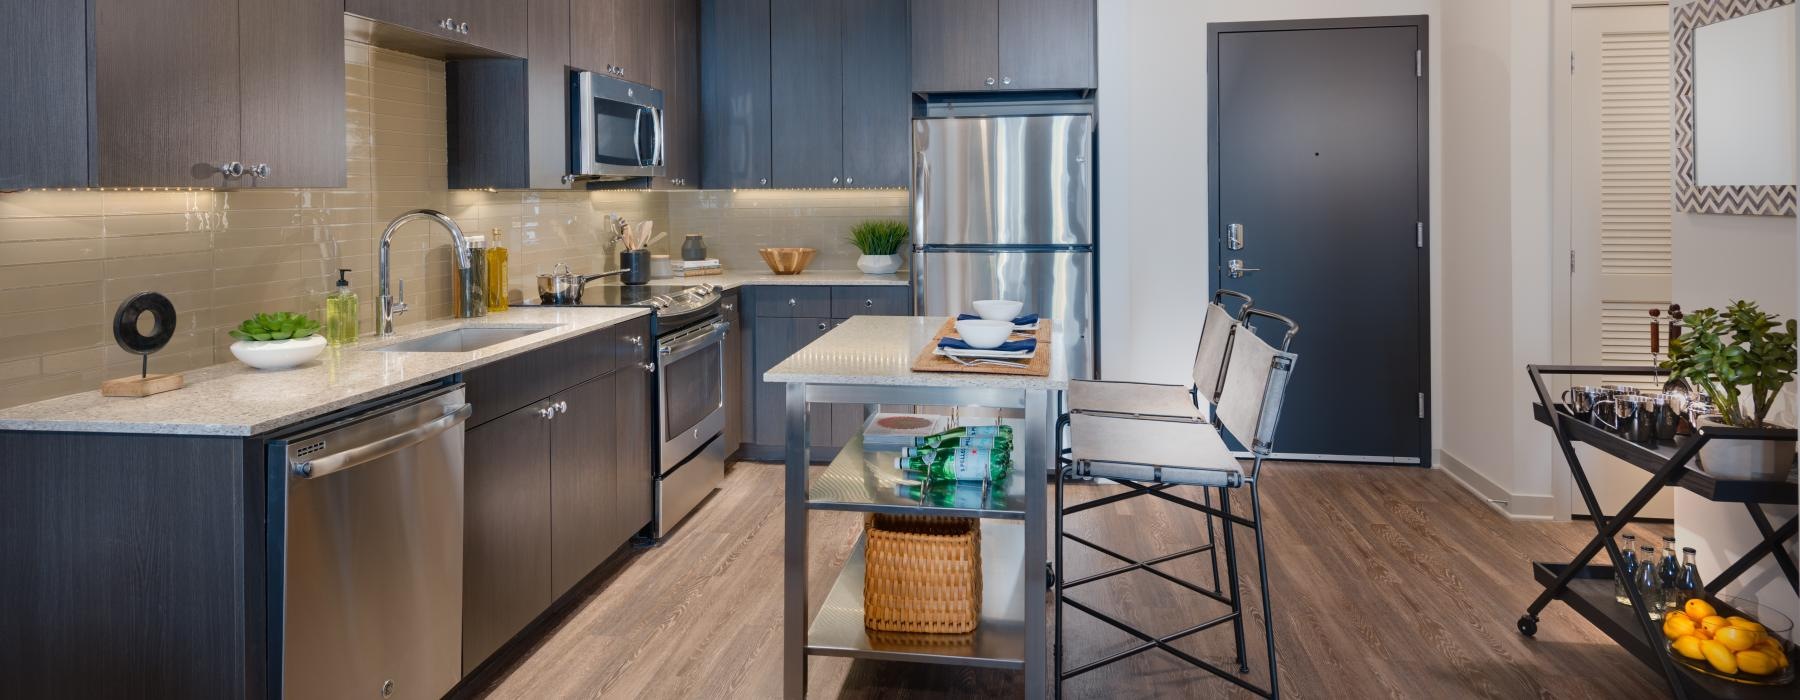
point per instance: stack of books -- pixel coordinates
(697, 268)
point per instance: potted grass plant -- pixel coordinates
(879, 241)
(1740, 357)
(277, 341)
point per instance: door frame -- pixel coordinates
(1420, 23)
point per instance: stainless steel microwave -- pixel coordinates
(616, 128)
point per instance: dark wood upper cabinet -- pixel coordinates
(734, 94)
(994, 45)
(953, 45)
(547, 94)
(496, 25)
(1047, 44)
(167, 110)
(291, 63)
(877, 102)
(681, 97)
(621, 34)
(45, 99)
(806, 89)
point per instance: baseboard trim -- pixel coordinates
(1517, 506)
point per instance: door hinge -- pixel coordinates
(1571, 262)
(1421, 230)
(1571, 63)
(1421, 405)
(1419, 62)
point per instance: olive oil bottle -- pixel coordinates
(340, 313)
(496, 274)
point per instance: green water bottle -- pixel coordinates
(957, 463)
(966, 435)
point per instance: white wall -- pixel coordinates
(1153, 168)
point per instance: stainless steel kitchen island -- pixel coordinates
(867, 361)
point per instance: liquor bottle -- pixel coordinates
(1668, 569)
(1687, 584)
(1625, 569)
(1649, 582)
(957, 435)
(957, 464)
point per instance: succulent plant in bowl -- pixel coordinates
(277, 341)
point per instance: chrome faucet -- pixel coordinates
(386, 307)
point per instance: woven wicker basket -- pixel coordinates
(923, 574)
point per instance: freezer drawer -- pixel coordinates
(1055, 284)
(1003, 181)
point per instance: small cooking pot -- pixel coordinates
(564, 288)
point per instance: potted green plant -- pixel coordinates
(880, 243)
(1740, 358)
(277, 341)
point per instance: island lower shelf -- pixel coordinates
(867, 481)
(997, 642)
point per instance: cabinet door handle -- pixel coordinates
(231, 170)
(547, 412)
(849, 181)
(834, 181)
(867, 303)
(793, 302)
(764, 181)
(561, 406)
(261, 170)
(635, 340)
(462, 27)
(1005, 80)
(990, 80)
(823, 325)
(649, 367)
(728, 307)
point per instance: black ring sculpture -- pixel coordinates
(125, 323)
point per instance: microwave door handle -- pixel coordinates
(658, 123)
(637, 132)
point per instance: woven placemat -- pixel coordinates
(1037, 366)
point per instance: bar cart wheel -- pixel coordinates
(1528, 625)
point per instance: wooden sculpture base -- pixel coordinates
(141, 386)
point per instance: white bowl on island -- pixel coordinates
(998, 309)
(983, 334)
(278, 354)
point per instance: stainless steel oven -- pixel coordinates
(690, 383)
(615, 128)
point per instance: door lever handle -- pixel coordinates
(1236, 268)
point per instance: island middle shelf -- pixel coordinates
(867, 481)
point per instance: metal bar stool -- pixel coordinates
(1151, 457)
(1192, 403)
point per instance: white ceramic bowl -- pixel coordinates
(984, 334)
(998, 309)
(278, 354)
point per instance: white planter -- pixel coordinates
(278, 354)
(879, 264)
(1743, 459)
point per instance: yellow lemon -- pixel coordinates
(1736, 638)
(1677, 625)
(1768, 645)
(1745, 623)
(1699, 609)
(1719, 656)
(1688, 646)
(1702, 633)
(1712, 624)
(1756, 662)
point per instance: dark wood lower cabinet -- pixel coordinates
(583, 481)
(632, 444)
(507, 530)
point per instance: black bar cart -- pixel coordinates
(1588, 589)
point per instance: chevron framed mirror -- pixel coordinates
(1734, 100)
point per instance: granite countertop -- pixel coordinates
(880, 350)
(233, 399)
(732, 279)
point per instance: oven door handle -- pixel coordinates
(693, 343)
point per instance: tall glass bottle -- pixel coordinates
(496, 274)
(1687, 583)
(1668, 569)
(957, 464)
(1649, 582)
(1625, 569)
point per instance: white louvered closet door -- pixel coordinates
(1620, 210)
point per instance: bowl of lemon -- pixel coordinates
(1731, 638)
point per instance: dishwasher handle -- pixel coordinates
(313, 469)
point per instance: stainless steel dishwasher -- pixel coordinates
(369, 523)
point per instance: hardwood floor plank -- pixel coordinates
(1388, 582)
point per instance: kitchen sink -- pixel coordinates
(464, 339)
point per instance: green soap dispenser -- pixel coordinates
(340, 313)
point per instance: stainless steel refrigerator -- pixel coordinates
(1002, 208)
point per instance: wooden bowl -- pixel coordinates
(787, 261)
